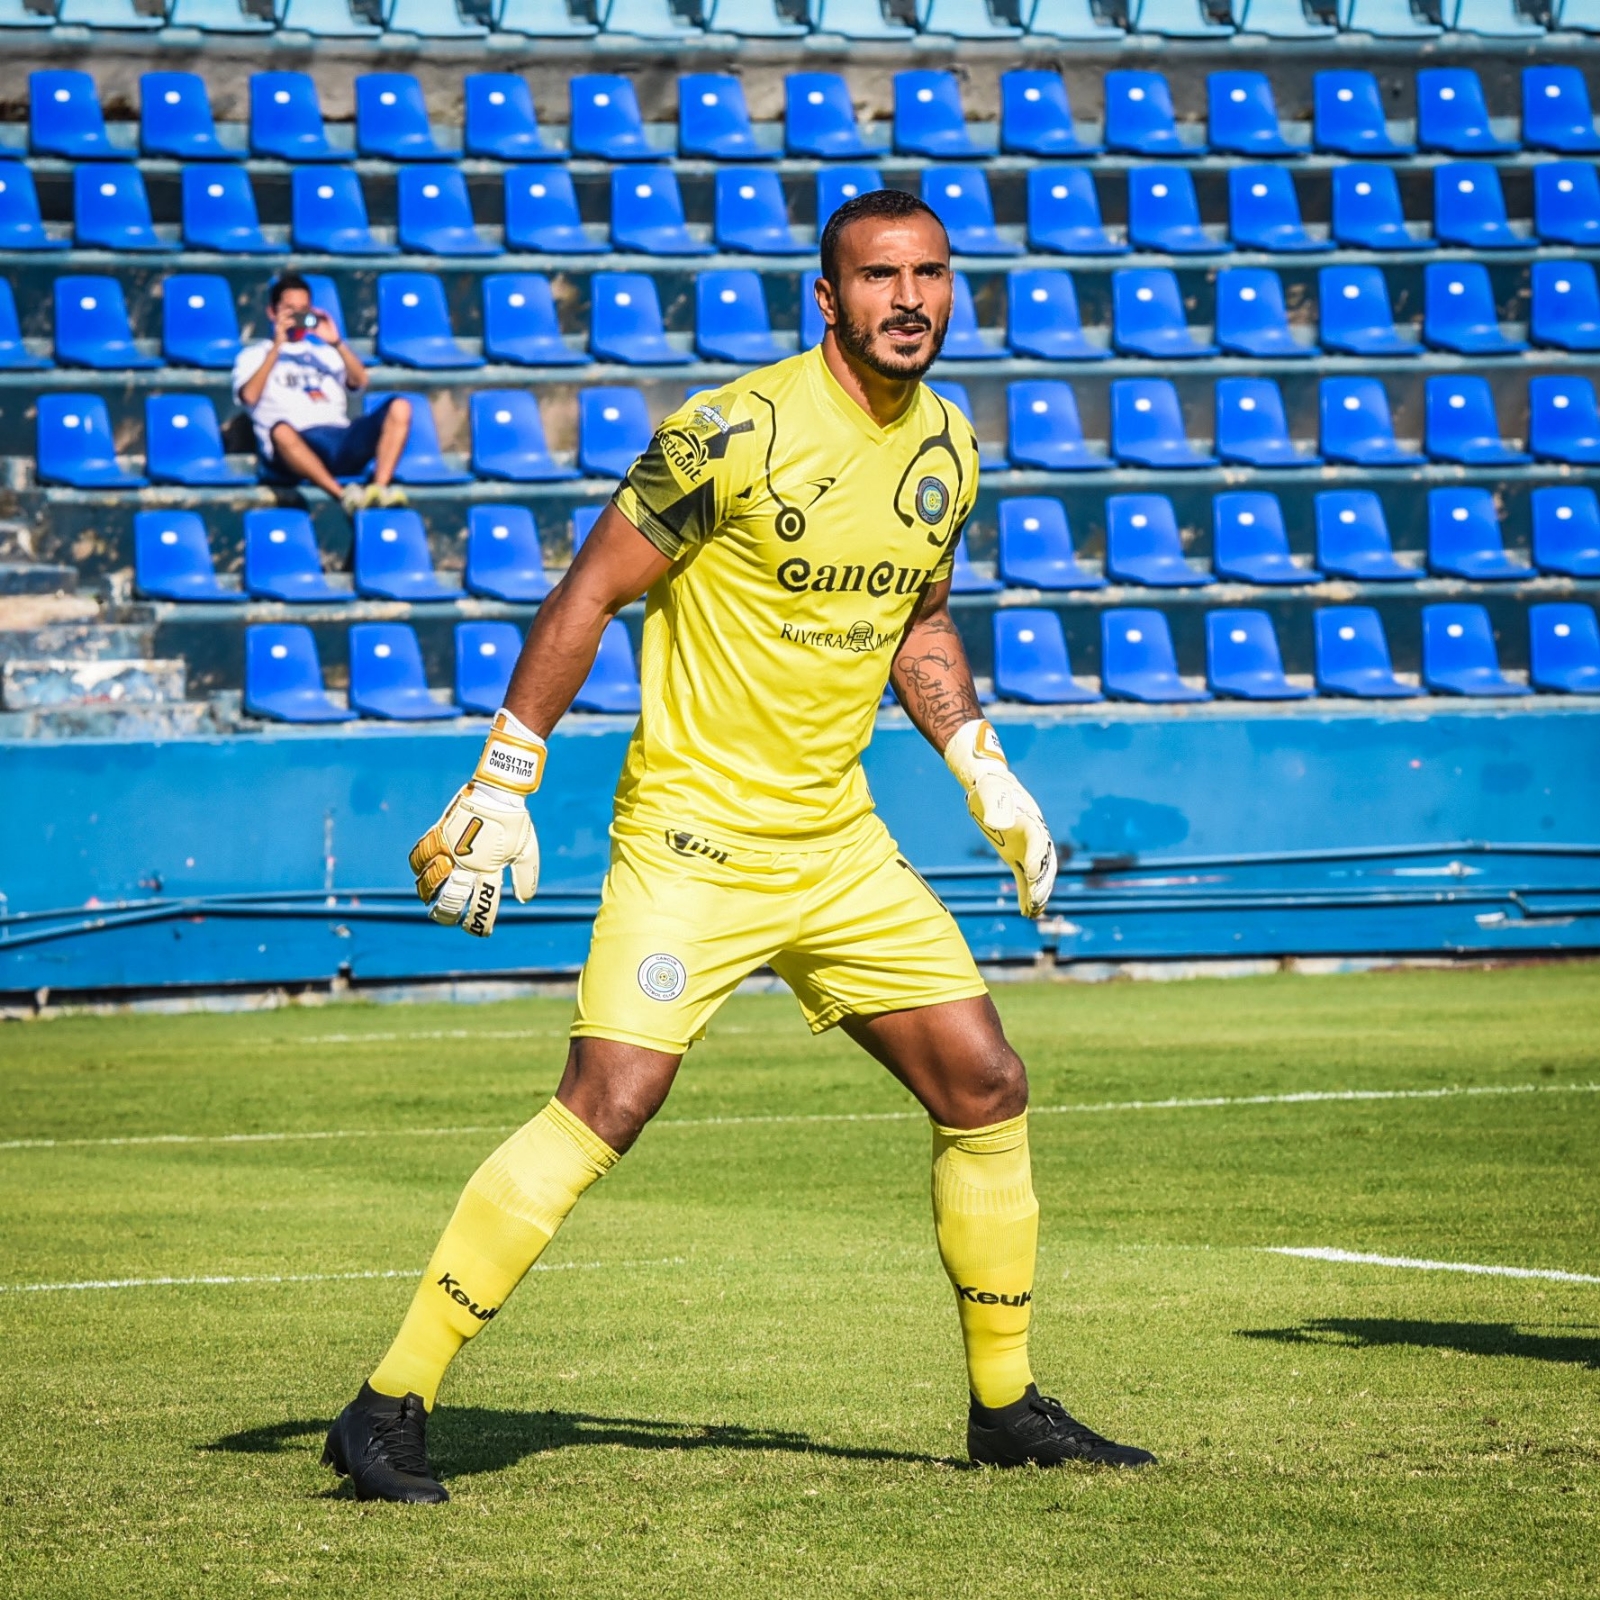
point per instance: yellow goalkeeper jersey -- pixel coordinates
(801, 536)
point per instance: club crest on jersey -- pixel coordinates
(662, 977)
(933, 499)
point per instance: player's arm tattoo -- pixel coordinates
(930, 674)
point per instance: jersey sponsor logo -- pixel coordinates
(690, 448)
(690, 844)
(932, 501)
(662, 977)
(798, 576)
(984, 1297)
(452, 1287)
(859, 637)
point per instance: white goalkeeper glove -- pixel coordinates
(1006, 812)
(461, 860)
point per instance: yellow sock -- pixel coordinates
(508, 1212)
(987, 1223)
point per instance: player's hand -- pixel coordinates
(1005, 811)
(460, 861)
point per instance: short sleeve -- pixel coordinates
(247, 364)
(678, 493)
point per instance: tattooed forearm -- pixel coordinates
(932, 678)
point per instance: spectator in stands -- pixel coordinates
(296, 387)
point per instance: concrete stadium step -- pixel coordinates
(27, 685)
(174, 720)
(78, 641)
(36, 577)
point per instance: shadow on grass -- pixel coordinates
(1470, 1338)
(463, 1440)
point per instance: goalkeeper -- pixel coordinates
(793, 533)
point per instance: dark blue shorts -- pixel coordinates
(345, 452)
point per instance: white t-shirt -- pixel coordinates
(306, 388)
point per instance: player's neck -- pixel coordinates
(883, 399)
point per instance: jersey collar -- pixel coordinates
(830, 387)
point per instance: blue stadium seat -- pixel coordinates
(504, 557)
(1461, 425)
(414, 323)
(1036, 116)
(110, 210)
(753, 19)
(835, 185)
(1278, 19)
(1353, 538)
(854, 19)
(508, 440)
(1464, 538)
(1459, 310)
(583, 521)
(647, 214)
(64, 118)
(485, 654)
(1387, 19)
(1367, 214)
(1147, 316)
(1243, 116)
(1030, 659)
(955, 394)
(1264, 212)
(1249, 542)
(219, 213)
(613, 431)
(14, 354)
(1353, 656)
(282, 561)
(392, 119)
(175, 119)
(1565, 305)
(1356, 425)
(1469, 208)
(1459, 655)
(435, 213)
(74, 444)
(1042, 318)
(820, 119)
(812, 327)
(613, 681)
(520, 323)
(286, 119)
(1563, 420)
(172, 559)
(960, 198)
(1564, 649)
(387, 679)
(1566, 203)
(1036, 546)
(1252, 428)
(430, 19)
(714, 121)
(1356, 316)
(648, 19)
(1175, 19)
(1566, 531)
(1556, 113)
(541, 208)
(1137, 661)
(1147, 426)
(606, 121)
(962, 19)
(1143, 544)
(1164, 215)
(1243, 661)
(964, 340)
(91, 321)
(330, 213)
(1252, 319)
(1347, 116)
(392, 560)
(1064, 214)
(21, 222)
(1452, 115)
(325, 19)
(625, 322)
(183, 444)
(929, 119)
(501, 123)
(731, 319)
(422, 461)
(283, 677)
(751, 215)
(1069, 19)
(1043, 429)
(965, 578)
(1139, 116)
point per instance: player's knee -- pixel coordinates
(999, 1089)
(398, 415)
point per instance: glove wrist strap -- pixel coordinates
(973, 750)
(513, 757)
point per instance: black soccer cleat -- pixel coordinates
(1041, 1431)
(381, 1445)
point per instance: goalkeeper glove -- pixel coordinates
(1006, 812)
(460, 860)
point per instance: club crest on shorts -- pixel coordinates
(662, 977)
(932, 498)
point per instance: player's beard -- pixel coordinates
(856, 340)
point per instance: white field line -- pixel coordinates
(211, 1280)
(1086, 1108)
(1321, 1253)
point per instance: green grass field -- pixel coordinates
(739, 1373)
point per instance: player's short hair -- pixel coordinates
(282, 284)
(876, 205)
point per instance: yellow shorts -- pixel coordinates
(851, 928)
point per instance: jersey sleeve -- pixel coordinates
(247, 364)
(679, 492)
(968, 446)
